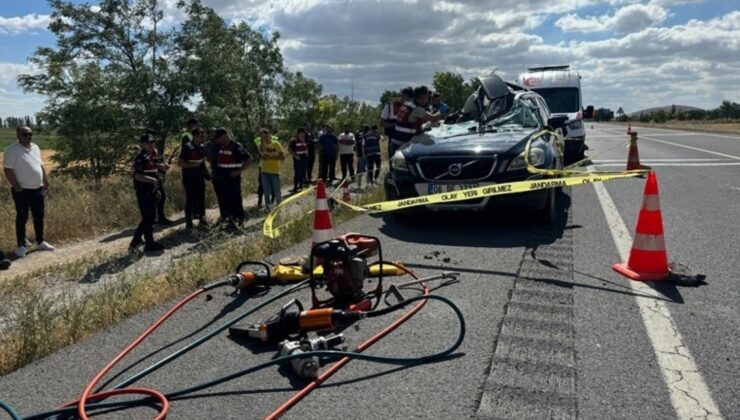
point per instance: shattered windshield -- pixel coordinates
(520, 116)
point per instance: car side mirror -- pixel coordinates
(557, 122)
(588, 113)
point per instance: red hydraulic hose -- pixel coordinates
(87, 393)
(343, 361)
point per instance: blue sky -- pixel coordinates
(631, 53)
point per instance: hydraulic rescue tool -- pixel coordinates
(308, 367)
(242, 279)
(286, 323)
(345, 266)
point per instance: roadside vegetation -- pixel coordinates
(79, 209)
(44, 138)
(38, 324)
(723, 119)
(127, 88)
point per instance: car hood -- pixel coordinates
(504, 143)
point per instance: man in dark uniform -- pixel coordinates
(311, 144)
(162, 168)
(194, 175)
(186, 135)
(146, 185)
(231, 160)
(390, 114)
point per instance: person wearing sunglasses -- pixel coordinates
(24, 170)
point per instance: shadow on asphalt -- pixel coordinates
(501, 228)
(120, 263)
(129, 232)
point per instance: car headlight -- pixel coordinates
(576, 125)
(536, 158)
(398, 162)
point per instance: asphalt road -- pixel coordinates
(552, 331)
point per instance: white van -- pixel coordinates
(561, 88)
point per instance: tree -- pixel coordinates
(696, 114)
(115, 45)
(660, 116)
(726, 109)
(234, 68)
(603, 114)
(100, 127)
(453, 89)
(389, 96)
(299, 100)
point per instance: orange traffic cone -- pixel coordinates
(629, 128)
(322, 230)
(648, 260)
(346, 197)
(633, 157)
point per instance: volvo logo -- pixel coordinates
(455, 169)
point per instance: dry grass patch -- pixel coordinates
(40, 324)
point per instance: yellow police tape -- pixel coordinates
(568, 176)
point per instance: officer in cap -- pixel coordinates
(146, 184)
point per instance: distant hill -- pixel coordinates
(667, 109)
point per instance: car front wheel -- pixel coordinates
(547, 214)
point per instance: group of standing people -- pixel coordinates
(220, 160)
(363, 145)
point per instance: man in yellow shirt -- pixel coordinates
(272, 155)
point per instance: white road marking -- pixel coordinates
(691, 148)
(657, 164)
(664, 160)
(678, 133)
(690, 396)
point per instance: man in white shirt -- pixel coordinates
(24, 170)
(347, 152)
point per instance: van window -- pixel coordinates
(561, 100)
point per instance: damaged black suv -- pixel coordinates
(482, 145)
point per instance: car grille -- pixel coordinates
(471, 168)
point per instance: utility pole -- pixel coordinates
(154, 45)
(353, 91)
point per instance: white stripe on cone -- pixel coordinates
(645, 242)
(322, 204)
(322, 235)
(651, 202)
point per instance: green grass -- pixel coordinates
(44, 138)
(41, 323)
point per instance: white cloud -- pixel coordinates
(637, 61)
(21, 24)
(628, 19)
(13, 102)
(9, 72)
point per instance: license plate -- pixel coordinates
(445, 188)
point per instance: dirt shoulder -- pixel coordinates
(110, 243)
